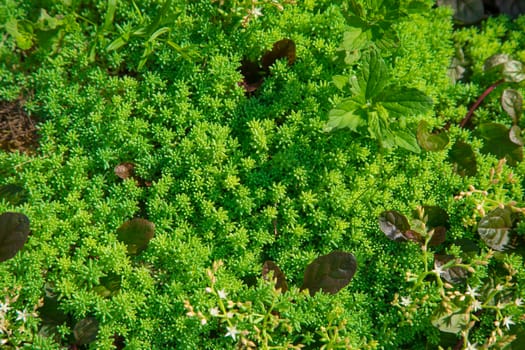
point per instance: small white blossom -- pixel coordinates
(208, 290)
(518, 302)
(203, 321)
(476, 305)
(4, 308)
(256, 12)
(222, 294)
(471, 346)
(472, 292)
(22, 315)
(405, 301)
(232, 332)
(507, 321)
(438, 270)
(214, 311)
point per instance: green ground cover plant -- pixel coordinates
(261, 175)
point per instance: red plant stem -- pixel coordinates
(478, 102)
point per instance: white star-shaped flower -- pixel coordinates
(507, 321)
(232, 332)
(222, 294)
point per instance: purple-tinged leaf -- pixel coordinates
(125, 170)
(511, 70)
(512, 8)
(253, 76)
(495, 228)
(463, 158)
(136, 234)
(512, 103)
(465, 11)
(454, 274)
(269, 267)
(14, 230)
(329, 273)
(438, 236)
(497, 142)
(515, 135)
(394, 225)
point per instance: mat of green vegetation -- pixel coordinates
(183, 144)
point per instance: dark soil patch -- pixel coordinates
(18, 130)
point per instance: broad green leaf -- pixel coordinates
(271, 268)
(372, 77)
(46, 22)
(463, 158)
(354, 40)
(340, 81)
(344, 115)
(110, 14)
(394, 225)
(379, 129)
(497, 142)
(431, 141)
(512, 102)
(14, 230)
(22, 32)
(116, 44)
(465, 11)
(495, 228)
(329, 273)
(400, 101)
(136, 234)
(406, 140)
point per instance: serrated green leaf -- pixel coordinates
(344, 115)
(399, 101)
(406, 140)
(340, 81)
(372, 77)
(22, 32)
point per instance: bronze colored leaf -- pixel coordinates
(394, 225)
(278, 275)
(125, 170)
(454, 274)
(463, 158)
(85, 331)
(329, 273)
(14, 230)
(284, 48)
(136, 234)
(495, 228)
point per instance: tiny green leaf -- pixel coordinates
(329, 273)
(277, 275)
(512, 102)
(495, 228)
(394, 225)
(431, 141)
(136, 234)
(14, 230)
(463, 158)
